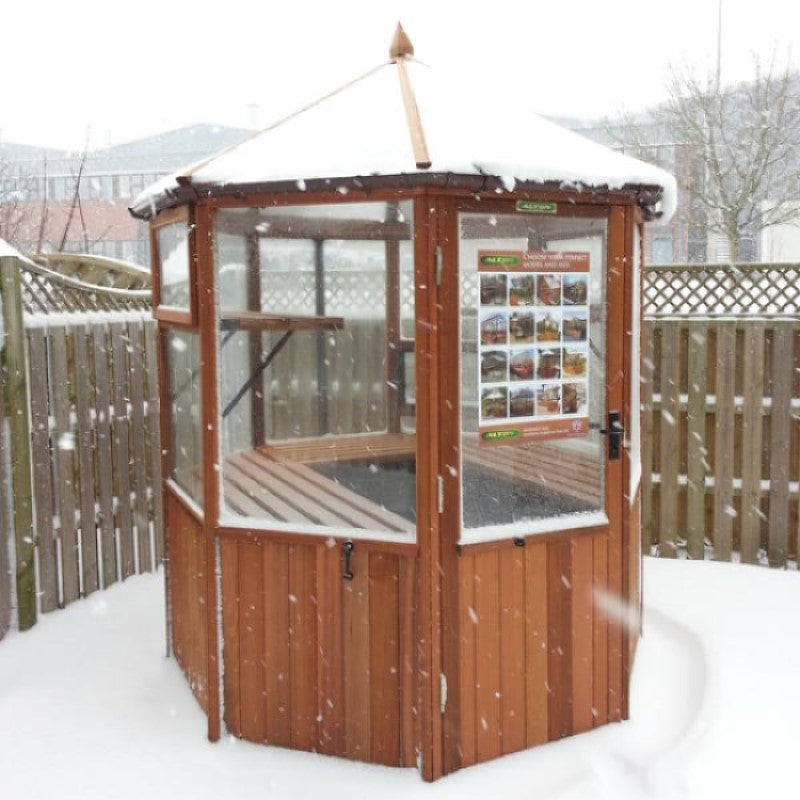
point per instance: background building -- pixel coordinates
(54, 200)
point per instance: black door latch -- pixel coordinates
(614, 432)
(347, 551)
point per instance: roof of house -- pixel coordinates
(403, 118)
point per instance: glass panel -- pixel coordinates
(316, 310)
(532, 372)
(183, 387)
(173, 259)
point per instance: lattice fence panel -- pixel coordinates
(722, 290)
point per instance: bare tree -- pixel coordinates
(23, 219)
(745, 143)
(12, 212)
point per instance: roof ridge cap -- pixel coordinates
(416, 130)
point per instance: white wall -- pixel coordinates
(781, 242)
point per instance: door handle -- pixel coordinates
(347, 551)
(614, 431)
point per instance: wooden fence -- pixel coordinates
(79, 439)
(720, 433)
(721, 454)
(83, 441)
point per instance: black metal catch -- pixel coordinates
(614, 432)
(347, 551)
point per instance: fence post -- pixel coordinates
(15, 401)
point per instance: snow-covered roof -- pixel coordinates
(402, 118)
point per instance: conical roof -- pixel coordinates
(403, 119)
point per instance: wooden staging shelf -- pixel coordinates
(291, 492)
(258, 321)
(275, 479)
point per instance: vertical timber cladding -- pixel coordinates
(315, 662)
(533, 646)
(188, 595)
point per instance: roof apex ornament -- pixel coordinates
(401, 46)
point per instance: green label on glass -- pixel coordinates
(498, 436)
(536, 207)
(500, 261)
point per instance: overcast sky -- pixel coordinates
(124, 70)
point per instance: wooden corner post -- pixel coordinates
(15, 408)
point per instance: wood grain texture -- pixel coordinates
(105, 457)
(559, 639)
(537, 647)
(696, 446)
(42, 472)
(487, 666)
(600, 630)
(781, 421)
(648, 370)
(64, 451)
(582, 634)
(724, 511)
(231, 599)
(120, 428)
(513, 707)
(188, 597)
(136, 381)
(277, 659)
(357, 690)
(468, 625)
(154, 438)
(752, 425)
(303, 648)
(384, 659)
(409, 711)
(330, 675)
(90, 580)
(252, 643)
(669, 439)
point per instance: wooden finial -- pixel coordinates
(401, 45)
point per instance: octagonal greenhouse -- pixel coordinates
(400, 346)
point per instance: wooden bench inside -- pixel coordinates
(279, 481)
(276, 482)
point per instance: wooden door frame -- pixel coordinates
(448, 398)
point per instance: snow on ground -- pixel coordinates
(90, 708)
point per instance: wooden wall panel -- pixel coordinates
(409, 694)
(468, 624)
(384, 659)
(229, 554)
(582, 633)
(303, 647)
(316, 662)
(188, 595)
(487, 663)
(536, 644)
(559, 638)
(541, 607)
(600, 631)
(355, 607)
(512, 649)
(275, 563)
(251, 643)
(330, 676)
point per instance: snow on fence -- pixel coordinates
(82, 438)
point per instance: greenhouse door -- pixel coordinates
(531, 393)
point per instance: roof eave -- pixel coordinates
(646, 196)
